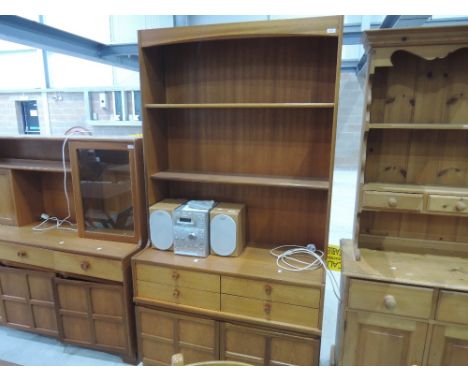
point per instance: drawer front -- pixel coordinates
(453, 307)
(270, 311)
(392, 200)
(88, 266)
(178, 277)
(288, 294)
(27, 255)
(178, 295)
(391, 298)
(447, 204)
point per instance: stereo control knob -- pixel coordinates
(192, 236)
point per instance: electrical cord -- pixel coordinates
(60, 222)
(287, 259)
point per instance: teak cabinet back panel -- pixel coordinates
(7, 208)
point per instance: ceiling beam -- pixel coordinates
(26, 32)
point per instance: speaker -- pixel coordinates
(227, 229)
(160, 222)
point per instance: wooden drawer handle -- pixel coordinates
(460, 206)
(267, 308)
(21, 254)
(85, 265)
(176, 293)
(390, 302)
(392, 202)
(268, 289)
(175, 275)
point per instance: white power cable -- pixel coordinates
(287, 259)
(60, 222)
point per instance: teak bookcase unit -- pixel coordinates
(405, 278)
(53, 282)
(242, 113)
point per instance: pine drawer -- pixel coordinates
(447, 204)
(453, 307)
(392, 200)
(27, 255)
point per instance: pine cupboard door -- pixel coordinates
(380, 340)
(265, 347)
(92, 314)
(449, 346)
(27, 300)
(162, 334)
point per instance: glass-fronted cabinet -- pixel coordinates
(107, 183)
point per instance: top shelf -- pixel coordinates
(274, 105)
(33, 165)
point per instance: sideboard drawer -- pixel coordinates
(88, 266)
(263, 290)
(453, 307)
(392, 200)
(178, 277)
(270, 311)
(391, 298)
(27, 255)
(177, 295)
(447, 204)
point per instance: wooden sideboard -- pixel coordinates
(405, 273)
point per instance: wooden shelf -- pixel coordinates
(312, 105)
(416, 189)
(33, 165)
(418, 126)
(254, 180)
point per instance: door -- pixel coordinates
(449, 346)
(162, 334)
(267, 347)
(92, 314)
(30, 117)
(7, 207)
(373, 339)
(27, 300)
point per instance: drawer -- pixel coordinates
(178, 277)
(453, 307)
(178, 295)
(88, 266)
(264, 290)
(391, 298)
(392, 200)
(451, 204)
(27, 255)
(271, 311)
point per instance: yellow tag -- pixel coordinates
(334, 258)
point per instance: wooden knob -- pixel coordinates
(390, 302)
(392, 202)
(460, 206)
(268, 289)
(267, 308)
(21, 254)
(176, 293)
(85, 265)
(175, 275)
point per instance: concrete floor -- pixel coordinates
(30, 349)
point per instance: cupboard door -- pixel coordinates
(162, 334)
(92, 314)
(7, 206)
(266, 347)
(27, 300)
(380, 340)
(449, 346)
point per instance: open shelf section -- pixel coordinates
(271, 105)
(254, 180)
(416, 189)
(33, 165)
(417, 126)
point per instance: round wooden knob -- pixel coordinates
(390, 302)
(460, 206)
(175, 275)
(176, 293)
(392, 202)
(267, 308)
(21, 254)
(268, 289)
(85, 265)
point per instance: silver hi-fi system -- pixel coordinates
(191, 228)
(227, 229)
(160, 218)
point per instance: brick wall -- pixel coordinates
(65, 110)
